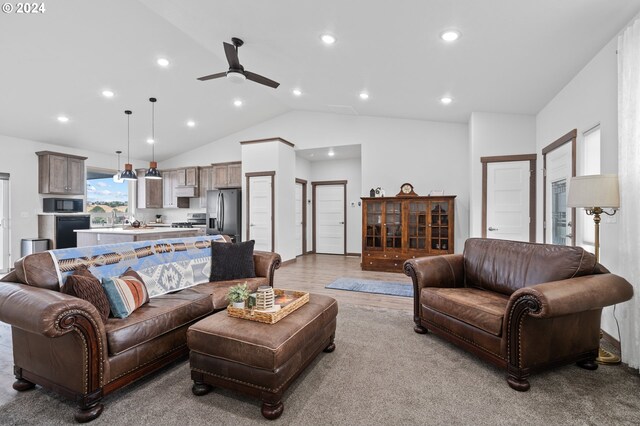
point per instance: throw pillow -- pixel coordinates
(67, 288)
(126, 293)
(87, 287)
(232, 261)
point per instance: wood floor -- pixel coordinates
(309, 273)
(313, 272)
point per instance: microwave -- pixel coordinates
(62, 205)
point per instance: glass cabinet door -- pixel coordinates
(393, 224)
(373, 236)
(418, 225)
(439, 212)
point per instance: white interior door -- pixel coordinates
(508, 200)
(559, 229)
(4, 224)
(330, 224)
(260, 212)
(298, 219)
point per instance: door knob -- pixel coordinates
(341, 223)
(491, 228)
(569, 236)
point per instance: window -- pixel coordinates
(589, 164)
(107, 201)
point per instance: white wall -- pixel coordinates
(280, 158)
(20, 161)
(303, 171)
(590, 98)
(349, 170)
(430, 155)
(493, 134)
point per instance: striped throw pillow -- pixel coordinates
(125, 294)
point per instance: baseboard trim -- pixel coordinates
(611, 340)
(288, 262)
(353, 254)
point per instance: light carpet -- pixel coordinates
(380, 373)
(373, 286)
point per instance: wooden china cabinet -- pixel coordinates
(403, 227)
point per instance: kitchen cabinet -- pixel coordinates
(228, 175)
(187, 182)
(206, 178)
(187, 176)
(60, 173)
(395, 229)
(170, 199)
(149, 192)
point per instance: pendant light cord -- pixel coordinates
(153, 130)
(128, 147)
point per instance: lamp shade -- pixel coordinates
(594, 191)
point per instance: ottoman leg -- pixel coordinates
(272, 411)
(331, 346)
(201, 388)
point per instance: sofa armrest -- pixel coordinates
(436, 271)
(433, 271)
(266, 264)
(42, 311)
(573, 295)
(53, 314)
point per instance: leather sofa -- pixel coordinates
(521, 306)
(61, 343)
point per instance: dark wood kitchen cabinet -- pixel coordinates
(60, 173)
(395, 229)
(228, 175)
(149, 191)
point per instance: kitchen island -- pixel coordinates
(99, 236)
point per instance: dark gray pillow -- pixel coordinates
(232, 261)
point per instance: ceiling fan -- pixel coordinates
(236, 72)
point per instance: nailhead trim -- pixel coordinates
(84, 342)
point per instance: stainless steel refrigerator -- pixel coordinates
(224, 213)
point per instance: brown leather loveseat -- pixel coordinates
(61, 343)
(522, 306)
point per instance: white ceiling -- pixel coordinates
(514, 56)
(342, 152)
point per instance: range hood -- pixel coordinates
(187, 191)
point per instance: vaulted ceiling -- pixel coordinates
(513, 56)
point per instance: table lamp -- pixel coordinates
(595, 193)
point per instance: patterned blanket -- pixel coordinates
(164, 265)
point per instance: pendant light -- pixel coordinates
(153, 172)
(128, 173)
(116, 177)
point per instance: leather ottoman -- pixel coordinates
(258, 359)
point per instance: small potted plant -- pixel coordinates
(237, 295)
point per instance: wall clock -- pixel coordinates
(406, 189)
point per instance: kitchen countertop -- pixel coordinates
(64, 214)
(138, 231)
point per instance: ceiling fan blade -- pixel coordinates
(232, 56)
(260, 79)
(212, 76)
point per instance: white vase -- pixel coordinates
(239, 305)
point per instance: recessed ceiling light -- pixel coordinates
(191, 123)
(163, 62)
(297, 92)
(331, 153)
(63, 119)
(107, 93)
(150, 141)
(237, 103)
(364, 95)
(327, 39)
(446, 100)
(450, 35)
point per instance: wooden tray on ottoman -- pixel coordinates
(299, 299)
